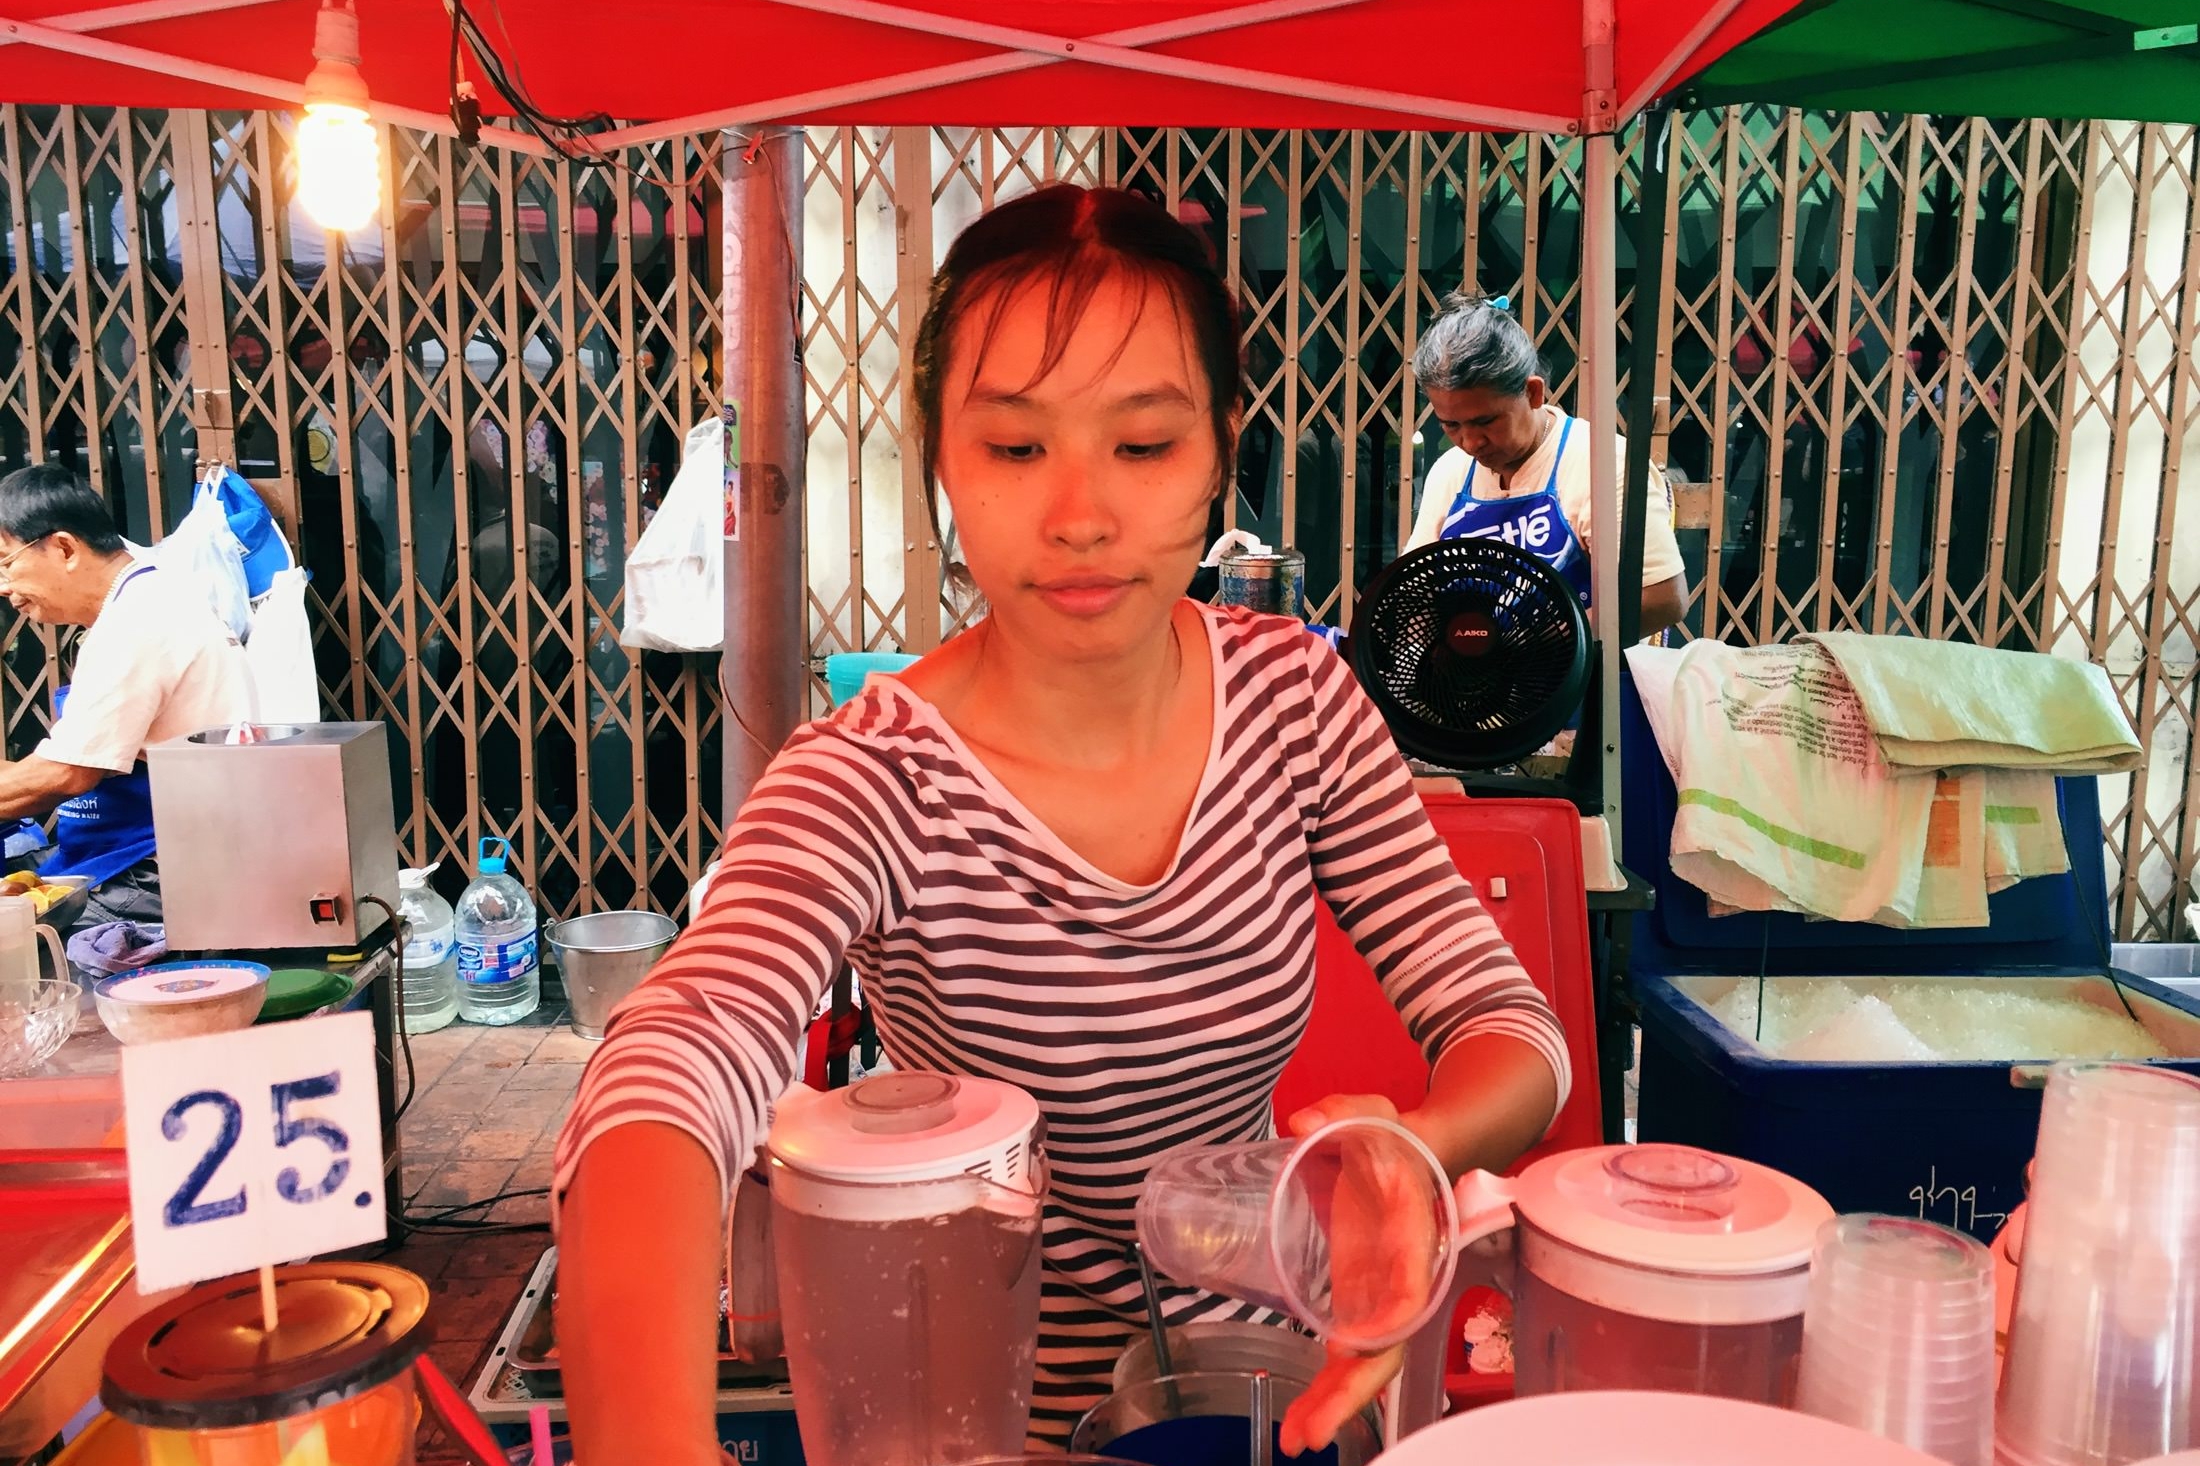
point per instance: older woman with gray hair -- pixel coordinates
(1518, 467)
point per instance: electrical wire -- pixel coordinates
(397, 999)
(725, 692)
(2100, 941)
(565, 136)
(452, 1221)
(447, 1220)
(1764, 959)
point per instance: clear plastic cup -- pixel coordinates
(2104, 1345)
(1898, 1335)
(1351, 1230)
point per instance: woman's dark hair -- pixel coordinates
(1474, 342)
(1067, 240)
(47, 499)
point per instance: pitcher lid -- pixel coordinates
(904, 1125)
(1673, 1207)
(204, 1360)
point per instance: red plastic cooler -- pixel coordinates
(1524, 858)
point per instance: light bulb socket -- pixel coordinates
(335, 79)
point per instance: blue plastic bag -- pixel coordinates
(266, 553)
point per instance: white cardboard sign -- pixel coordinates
(249, 1148)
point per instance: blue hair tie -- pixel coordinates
(1501, 302)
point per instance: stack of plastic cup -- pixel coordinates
(1898, 1335)
(2105, 1343)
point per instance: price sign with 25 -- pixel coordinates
(249, 1148)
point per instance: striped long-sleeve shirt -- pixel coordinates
(1141, 1017)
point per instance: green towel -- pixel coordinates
(1948, 705)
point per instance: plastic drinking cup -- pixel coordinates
(2104, 1344)
(1351, 1230)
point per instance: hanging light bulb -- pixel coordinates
(339, 156)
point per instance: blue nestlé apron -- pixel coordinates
(103, 832)
(1531, 522)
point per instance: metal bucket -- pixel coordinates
(605, 956)
(1177, 1418)
(1224, 1347)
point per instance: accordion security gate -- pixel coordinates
(1913, 375)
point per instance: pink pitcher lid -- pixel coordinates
(1674, 1208)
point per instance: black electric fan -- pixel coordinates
(1475, 652)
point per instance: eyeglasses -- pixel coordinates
(7, 561)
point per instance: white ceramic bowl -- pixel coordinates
(181, 1000)
(1618, 1428)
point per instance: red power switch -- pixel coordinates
(324, 910)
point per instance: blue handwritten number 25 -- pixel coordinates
(184, 1208)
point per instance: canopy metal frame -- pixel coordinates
(761, 668)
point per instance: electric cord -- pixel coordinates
(567, 137)
(398, 925)
(452, 1221)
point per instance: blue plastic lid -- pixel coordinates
(493, 854)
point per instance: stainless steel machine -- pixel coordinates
(278, 844)
(284, 841)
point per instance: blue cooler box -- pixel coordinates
(1944, 1141)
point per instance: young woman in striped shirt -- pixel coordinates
(1077, 848)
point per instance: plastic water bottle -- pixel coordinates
(429, 965)
(499, 967)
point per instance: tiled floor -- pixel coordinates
(483, 1121)
(485, 1114)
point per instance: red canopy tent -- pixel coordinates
(692, 65)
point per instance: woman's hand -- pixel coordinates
(1381, 1245)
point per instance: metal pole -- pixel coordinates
(1600, 378)
(1642, 376)
(761, 673)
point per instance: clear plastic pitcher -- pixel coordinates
(1634, 1267)
(20, 936)
(906, 1222)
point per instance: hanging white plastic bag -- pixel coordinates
(203, 549)
(675, 577)
(280, 654)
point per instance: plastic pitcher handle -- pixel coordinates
(1484, 1248)
(1485, 1206)
(52, 939)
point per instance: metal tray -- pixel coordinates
(63, 913)
(503, 1393)
(534, 1347)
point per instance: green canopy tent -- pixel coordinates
(2131, 60)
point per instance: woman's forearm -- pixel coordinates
(640, 1245)
(1490, 1099)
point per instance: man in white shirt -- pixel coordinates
(156, 663)
(1518, 468)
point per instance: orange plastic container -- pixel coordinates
(200, 1382)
